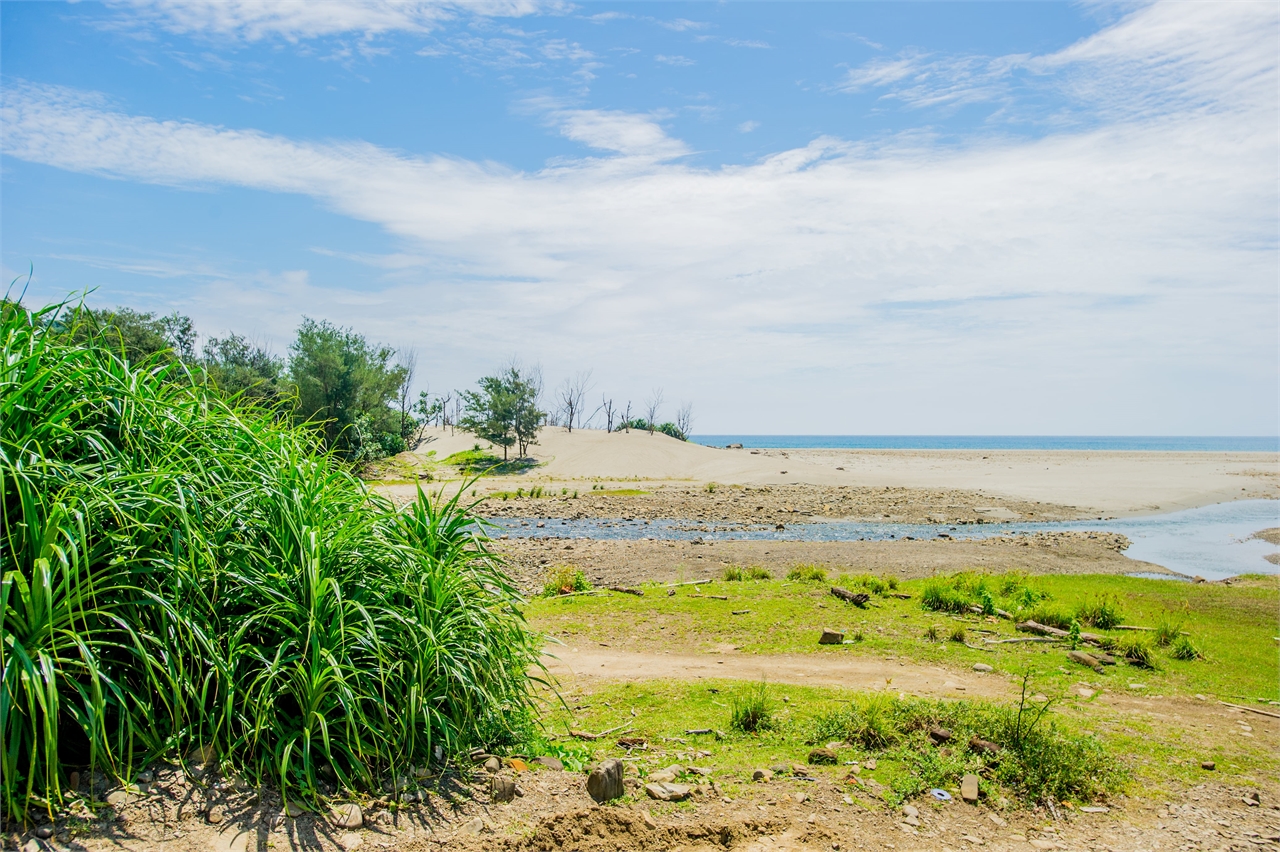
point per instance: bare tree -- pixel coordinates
(407, 360)
(606, 405)
(651, 406)
(445, 419)
(626, 418)
(684, 419)
(457, 412)
(570, 398)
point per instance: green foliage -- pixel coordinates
(940, 596)
(1184, 649)
(175, 571)
(1137, 651)
(504, 411)
(1048, 614)
(1073, 634)
(932, 633)
(808, 574)
(564, 580)
(961, 592)
(671, 430)
(710, 487)
(738, 573)
(238, 369)
(1167, 631)
(751, 710)
(1101, 611)
(131, 335)
(958, 634)
(734, 573)
(345, 388)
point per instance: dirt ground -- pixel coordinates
(631, 562)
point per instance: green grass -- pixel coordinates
(564, 580)
(807, 574)
(177, 572)
(484, 463)
(739, 573)
(751, 710)
(1232, 626)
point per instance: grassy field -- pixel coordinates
(1232, 626)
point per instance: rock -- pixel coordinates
(976, 743)
(982, 667)
(44, 832)
(1095, 809)
(347, 816)
(649, 821)
(1085, 660)
(668, 792)
(201, 756)
(913, 821)
(472, 827)
(830, 637)
(1104, 658)
(145, 777)
(492, 765)
(822, 756)
(1208, 765)
(870, 763)
(549, 763)
(33, 845)
(604, 784)
(502, 789)
(117, 798)
(73, 781)
(1253, 797)
(800, 798)
(350, 841)
(216, 815)
(940, 736)
(293, 810)
(762, 775)
(910, 810)
(997, 820)
(1085, 692)
(779, 769)
(969, 788)
(1043, 844)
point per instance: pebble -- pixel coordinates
(823, 756)
(492, 765)
(910, 811)
(350, 841)
(117, 798)
(1085, 692)
(472, 827)
(762, 775)
(44, 832)
(293, 810)
(649, 821)
(982, 667)
(800, 798)
(348, 816)
(1208, 765)
(216, 815)
(969, 788)
(666, 792)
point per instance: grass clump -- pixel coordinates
(738, 573)
(476, 461)
(958, 634)
(178, 571)
(1137, 651)
(1167, 631)
(1048, 614)
(565, 580)
(878, 586)
(751, 710)
(808, 574)
(1101, 611)
(940, 596)
(1184, 649)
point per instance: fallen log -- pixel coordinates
(858, 599)
(688, 583)
(1020, 639)
(1251, 709)
(1046, 630)
(627, 591)
(584, 735)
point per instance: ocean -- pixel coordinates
(1164, 443)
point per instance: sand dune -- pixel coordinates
(1110, 483)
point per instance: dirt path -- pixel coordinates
(851, 672)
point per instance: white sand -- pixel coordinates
(1108, 483)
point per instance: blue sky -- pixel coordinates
(825, 218)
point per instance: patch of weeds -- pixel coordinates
(808, 573)
(1137, 651)
(940, 596)
(1184, 649)
(958, 634)
(1102, 611)
(564, 580)
(1167, 631)
(1046, 613)
(734, 573)
(879, 586)
(711, 487)
(932, 633)
(751, 711)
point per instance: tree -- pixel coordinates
(684, 420)
(136, 336)
(504, 409)
(346, 387)
(606, 405)
(236, 367)
(651, 406)
(570, 396)
(626, 418)
(408, 364)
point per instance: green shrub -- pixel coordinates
(1048, 614)
(751, 711)
(1137, 651)
(179, 572)
(734, 573)
(932, 633)
(1102, 612)
(1167, 631)
(958, 634)
(940, 596)
(564, 580)
(808, 573)
(757, 572)
(1184, 649)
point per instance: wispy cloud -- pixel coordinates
(681, 25)
(673, 60)
(748, 126)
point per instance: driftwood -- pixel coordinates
(902, 596)
(695, 732)
(715, 597)
(1046, 630)
(1136, 627)
(627, 591)
(689, 583)
(1020, 639)
(858, 599)
(583, 735)
(1251, 709)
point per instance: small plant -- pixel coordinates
(758, 572)
(1050, 615)
(857, 636)
(565, 580)
(734, 573)
(940, 596)
(986, 601)
(1073, 635)
(519, 492)
(871, 720)
(1102, 612)
(958, 634)
(751, 711)
(711, 487)
(564, 491)
(807, 573)
(1184, 649)
(1167, 631)
(892, 582)
(932, 633)
(575, 494)
(1137, 651)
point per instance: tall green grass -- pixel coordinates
(180, 572)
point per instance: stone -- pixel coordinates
(649, 821)
(997, 820)
(870, 763)
(762, 775)
(145, 777)
(33, 845)
(502, 789)
(44, 832)
(293, 810)
(668, 792)
(347, 816)
(1043, 844)
(216, 815)
(822, 757)
(976, 743)
(1253, 798)
(910, 811)
(549, 763)
(940, 736)
(73, 781)
(472, 827)
(200, 756)
(1208, 765)
(1095, 809)
(969, 788)
(913, 821)
(604, 784)
(117, 798)
(492, 765)
(1085, 692)
(831, 637)
(350, 841)
(982, 667)
(800, 798)
(779, 769)
(1085, 660)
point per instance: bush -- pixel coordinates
(179, 572)
(1137, 651)
(1184, 649)
(940, 596)
(565, 580)
(751, 711)
(1167, 631)
(958, 634)
(932, 633)
(757, 572)
(735, 573)
(1102, 612)
(807, 573)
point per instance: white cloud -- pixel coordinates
(1119, 276)
(673, 60)
(748, 126)
(295, 20)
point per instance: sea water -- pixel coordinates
(1211, 541)
(1130, 443)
